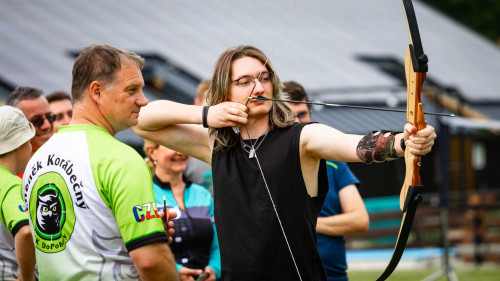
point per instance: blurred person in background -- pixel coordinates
(198, 171)
(195, 245)
(60, 104)
(17, 253)
(91, 206)
(343, 212)
(35, 107)
(201, 92)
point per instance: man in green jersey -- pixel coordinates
(92, 210)
(17, 254)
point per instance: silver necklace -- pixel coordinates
(253, 148)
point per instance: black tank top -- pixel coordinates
(252, 245)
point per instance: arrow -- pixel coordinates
(260, 98)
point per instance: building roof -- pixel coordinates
(320, 46)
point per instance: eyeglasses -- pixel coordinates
(266, 78)
(39, 120)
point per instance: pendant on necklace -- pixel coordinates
(252, 153)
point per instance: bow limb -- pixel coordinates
(411, 192)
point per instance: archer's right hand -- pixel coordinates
(227, 114)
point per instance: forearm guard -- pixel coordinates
(377, 146)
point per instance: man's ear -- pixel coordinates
(95, 89)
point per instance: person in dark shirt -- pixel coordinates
(343, 211)
(269, 178)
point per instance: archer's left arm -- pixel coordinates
(319, 141)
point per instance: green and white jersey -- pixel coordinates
(13, 216)
(90, 201)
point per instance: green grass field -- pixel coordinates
(481, 274)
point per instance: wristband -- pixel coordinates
(204, 116)
(403, 144)
(377, 147)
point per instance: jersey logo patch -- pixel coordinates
(52, 214)
(145, 212)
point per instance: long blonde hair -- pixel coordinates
(280, 115)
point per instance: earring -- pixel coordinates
(154, 162)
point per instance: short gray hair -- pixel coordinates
(99, 63)
(23, 93)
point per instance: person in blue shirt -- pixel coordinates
(195, 245)
(343, 212)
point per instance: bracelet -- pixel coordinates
(204, 116)
(403, 144)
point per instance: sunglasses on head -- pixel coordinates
(39, 120)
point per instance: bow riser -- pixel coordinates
(415, 116)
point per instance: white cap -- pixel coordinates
(15, 129)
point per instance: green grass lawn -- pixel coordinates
(481, 274)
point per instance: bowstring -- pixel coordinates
(272, 48)
(253, 147)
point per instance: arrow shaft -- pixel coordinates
(348, 106)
